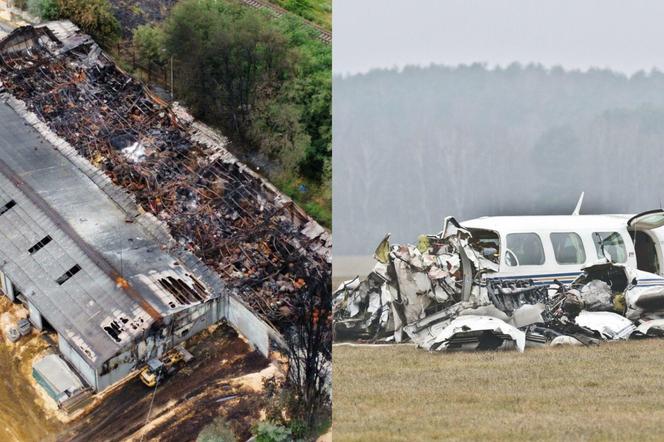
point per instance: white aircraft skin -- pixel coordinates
(547, 268)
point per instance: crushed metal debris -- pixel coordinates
(441, 295)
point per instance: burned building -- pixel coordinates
(125, 226)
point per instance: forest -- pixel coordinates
(418, 144)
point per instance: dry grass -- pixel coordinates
(611, 392)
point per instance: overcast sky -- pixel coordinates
(626, 36)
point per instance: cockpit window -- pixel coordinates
(613, 246)
(524, 249)
(568, 248)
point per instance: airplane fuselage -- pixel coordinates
(557, 247)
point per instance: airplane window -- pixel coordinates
(568, 248)
(613, 245)
(524, 249)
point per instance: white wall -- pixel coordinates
(82, 367)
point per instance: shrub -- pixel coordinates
(270, 432)
(44, 9)
(95, 17)
(149, 42)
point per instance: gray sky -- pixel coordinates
(626, 36)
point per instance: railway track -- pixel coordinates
(277, 11)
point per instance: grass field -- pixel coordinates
(611, 392)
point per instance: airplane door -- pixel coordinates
(646, 244)
(647, 220)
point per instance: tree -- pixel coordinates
(311, 89)
(229, 59)
(149, 42)
(310, 350)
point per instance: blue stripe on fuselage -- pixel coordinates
(541, 279)
(548, 278)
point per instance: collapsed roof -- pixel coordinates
(67, 245)
(175, 169)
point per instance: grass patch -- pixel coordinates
(316, 11)
(612, 392)
(314, 198)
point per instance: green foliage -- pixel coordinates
(316, 11)
(95, 17)
(44, 9)
(311, 90)
(298, 429)
(282, 397)
(270, 432)
(302, 8)
(278, 131)
(217, 431)
(229, 59)
(315, 199)
(320, 211)
(148, 40)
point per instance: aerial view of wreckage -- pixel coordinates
(513, 282)
(126, 227)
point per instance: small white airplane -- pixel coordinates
(557, 247)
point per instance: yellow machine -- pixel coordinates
(156, 370)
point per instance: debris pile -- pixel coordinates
(444, 294)
(259, 241)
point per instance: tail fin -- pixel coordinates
(577, 209)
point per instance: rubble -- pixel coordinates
(650, 328)
(609, 325)
(261, 244)
(477, 333)
(444, 294)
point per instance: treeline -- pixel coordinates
(416, 145)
